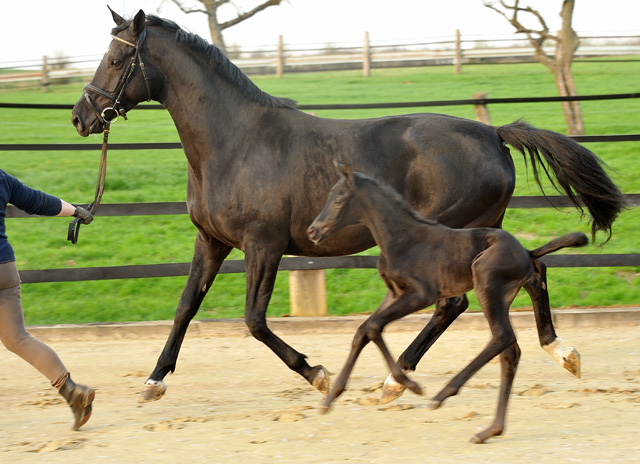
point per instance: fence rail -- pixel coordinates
(299, 263)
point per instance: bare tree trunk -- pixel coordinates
(566, 47)
(560, 65)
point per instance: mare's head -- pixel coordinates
(341, 209)
(121, 81)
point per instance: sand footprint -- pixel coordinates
(57, 445)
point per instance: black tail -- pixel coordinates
(576, 171)
(574, 239)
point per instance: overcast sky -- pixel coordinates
(33, 28)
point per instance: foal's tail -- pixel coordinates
(576, 171)
(574, 239)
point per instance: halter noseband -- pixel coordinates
(112, 113)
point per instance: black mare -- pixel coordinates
(422, 261)
(260, 170)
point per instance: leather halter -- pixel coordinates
(103, 116)
(112, 113)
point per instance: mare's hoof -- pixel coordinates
(153, 390)
(391, 390)
(571, 361)
(320, 379)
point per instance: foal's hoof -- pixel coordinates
(153, 390)
(325, 405)
(433, 405)
(320, 379)
(391, 390)
(571, 361)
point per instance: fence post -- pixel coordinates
(457, 68)
(308, 293)
(280, 58)
(45, 75)
(366, 59)
(480, 110)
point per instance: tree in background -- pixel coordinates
(211, 7)
(566, 41)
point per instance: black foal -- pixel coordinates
(422, 261)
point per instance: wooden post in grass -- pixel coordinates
(366, 58)
(45, 75)
(481, 111)
(457, 61)
(307, 293)
(280, 58)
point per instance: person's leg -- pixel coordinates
(16, 339)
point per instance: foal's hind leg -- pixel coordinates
(509, 359)
(568, 357)
(207, 259)
(496, 285)
(446, 312)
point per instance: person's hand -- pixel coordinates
(85, 216)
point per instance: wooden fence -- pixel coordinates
(299, 263)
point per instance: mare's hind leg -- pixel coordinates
(207, 259)
(446, 312)
(568, 357)
(262, 267)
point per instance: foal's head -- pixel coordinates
(340, 210)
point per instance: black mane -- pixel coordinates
(221, 64)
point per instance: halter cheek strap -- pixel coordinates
(117, 110)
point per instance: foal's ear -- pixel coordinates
(138, 23)
(343, 170)
(116, 17)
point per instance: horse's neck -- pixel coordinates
(204, 107)
(385, 218)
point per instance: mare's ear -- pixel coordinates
(116, 17)
(138, 23)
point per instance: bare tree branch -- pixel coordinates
(241, 17)
(186, 10)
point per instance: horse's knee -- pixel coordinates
(511, 356)
(257, 326)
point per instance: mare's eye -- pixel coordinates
(115, 63)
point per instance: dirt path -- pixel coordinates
(232, 400)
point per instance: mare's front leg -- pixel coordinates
(262, 267)
(446, 312)
(536, 287)
(207, 258)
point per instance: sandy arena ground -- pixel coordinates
(232, 401)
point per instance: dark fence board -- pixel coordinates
(286, 264)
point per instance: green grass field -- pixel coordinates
(139, 176)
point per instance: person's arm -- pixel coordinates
(68, 209)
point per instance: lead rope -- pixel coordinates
(74, 226)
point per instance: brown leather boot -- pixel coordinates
(79, 398)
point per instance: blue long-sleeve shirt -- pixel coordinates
(29, 200)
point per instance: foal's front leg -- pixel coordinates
(446, 312)
(390, 309)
